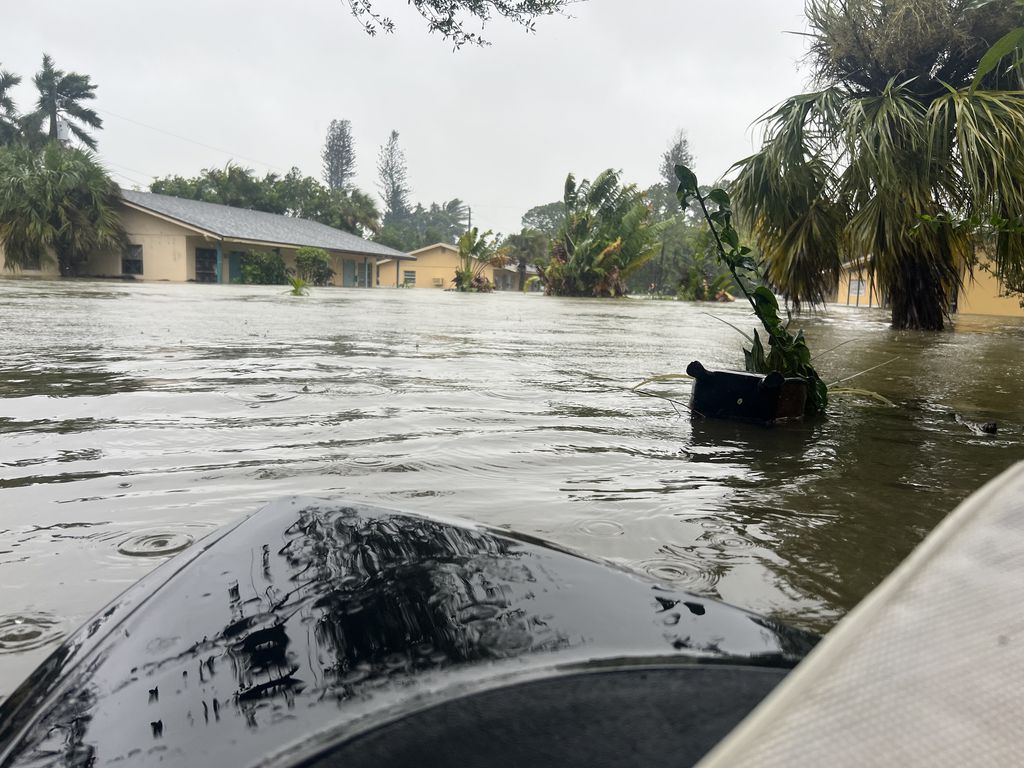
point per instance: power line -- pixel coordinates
(192, 141)
(127, 168)
(134, 181)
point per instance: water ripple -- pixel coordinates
(601, 528)
(692, 575)
(28, 631)
(156, 544)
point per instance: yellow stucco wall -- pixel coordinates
(983, 296)
(48, 268)
(163, 249)
(169, 253)
(434, 268)
(855, 290)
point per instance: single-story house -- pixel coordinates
(435, 267)
(982, 294)
(181, 240)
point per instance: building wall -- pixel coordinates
(350, 269)
(163, 249)
(47, 268)
(169, 253)
(506, 279)
(434, 268)
(855, 290)
(983, 296)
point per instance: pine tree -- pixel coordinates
(339, 156)
(393, 184)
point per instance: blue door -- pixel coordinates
(348, 274)
(235, 267)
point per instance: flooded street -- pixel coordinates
(135, 419)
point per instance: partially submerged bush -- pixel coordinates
(264, 268)
(313, 265)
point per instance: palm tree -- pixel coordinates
(605, 237)
(60, 97)
(882, 165)
(56, 203)
(10, 128)
(527, 248)
(354, 211)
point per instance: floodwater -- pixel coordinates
(135, 419)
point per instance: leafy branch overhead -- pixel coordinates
(787, 353)
(449, 17)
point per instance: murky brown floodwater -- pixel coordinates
(134, 419)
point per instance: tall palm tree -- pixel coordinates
(60, 97)
(9, 125)
(884, 163)
(57, 203)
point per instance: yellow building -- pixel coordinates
(856, 290)
(982, 293)
(180, 240)
(435, 267)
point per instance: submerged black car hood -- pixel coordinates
(312, 623)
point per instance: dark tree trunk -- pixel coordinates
(920, 295)
(64, 264)
(53, 122)
(67, 264)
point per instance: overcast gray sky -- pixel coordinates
(258, 81)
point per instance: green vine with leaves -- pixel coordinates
(786, 353)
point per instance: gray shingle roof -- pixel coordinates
(242, 224)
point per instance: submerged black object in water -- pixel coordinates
(323, 634)
(743, 396)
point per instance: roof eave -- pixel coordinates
(172, 219)
(425, 248)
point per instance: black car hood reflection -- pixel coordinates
(313, 616)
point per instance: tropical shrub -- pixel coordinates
(313, 265)
(476, 253)
(264, 268)
(605, 237)
(56, 202)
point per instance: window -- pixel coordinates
(857, 288)
(206, 265)
(131, 260)
(409, 278)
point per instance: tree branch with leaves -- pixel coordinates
(449, 18)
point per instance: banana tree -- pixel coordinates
(477, 252)
(606, 236)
